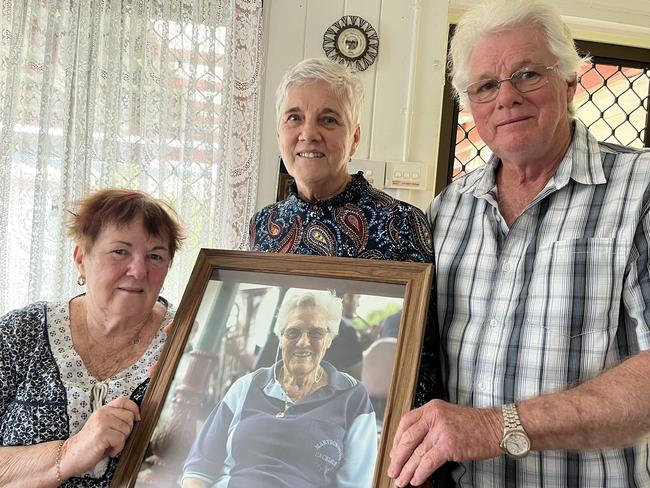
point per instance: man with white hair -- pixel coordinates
(543, 278)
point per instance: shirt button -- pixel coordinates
(494, 323)
(482, 386)
(507, 267)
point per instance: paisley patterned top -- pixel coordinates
(45, 389)
(360, 222)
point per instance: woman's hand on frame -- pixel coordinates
(104, 434)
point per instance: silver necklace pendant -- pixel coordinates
(279, 415)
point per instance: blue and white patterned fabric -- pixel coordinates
(45, 387)
(546, 304)
(328, 439)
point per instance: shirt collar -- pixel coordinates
(581, 162)
(271, 386)
(357, 186)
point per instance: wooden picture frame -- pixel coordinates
(174, 406)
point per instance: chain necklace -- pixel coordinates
(133, 341)
(282, 413)
(104, 365)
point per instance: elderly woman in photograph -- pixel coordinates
(297, 423)
(73, 371)
(328, 211)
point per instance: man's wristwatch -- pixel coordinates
(515, 442)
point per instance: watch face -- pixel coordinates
(517, 444)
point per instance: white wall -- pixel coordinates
(401, 117)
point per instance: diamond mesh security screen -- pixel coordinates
(612, 100)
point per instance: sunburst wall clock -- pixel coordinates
(353, 41)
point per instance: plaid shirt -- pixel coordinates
(548, 303)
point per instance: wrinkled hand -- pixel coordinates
(104, 434)
(437, 432)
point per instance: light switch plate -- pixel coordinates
(374, 171)
(405, 175)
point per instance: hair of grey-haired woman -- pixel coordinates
(345, 83)
(329, 305)
(502, 15)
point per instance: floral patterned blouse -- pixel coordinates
(360, 222)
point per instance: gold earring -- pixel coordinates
(81, 281)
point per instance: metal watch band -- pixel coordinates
(515, 441)
(510, 417)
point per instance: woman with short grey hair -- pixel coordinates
(318, 105)
(328, 211)
(300, 422)
(346, 84)
(329, 305)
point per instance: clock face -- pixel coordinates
(517, 444)
(353, 41)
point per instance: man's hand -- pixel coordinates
(437, 432)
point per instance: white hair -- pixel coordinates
(496, 16)
(325, 301)
(345, 83)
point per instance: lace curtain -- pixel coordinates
(157, 95)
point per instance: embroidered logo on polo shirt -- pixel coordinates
(329, 451)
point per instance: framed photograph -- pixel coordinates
(226, 401)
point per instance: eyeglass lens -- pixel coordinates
(313, 333)
(524, 80)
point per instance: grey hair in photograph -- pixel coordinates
(327, 302)
(502, 15)
(345, 83)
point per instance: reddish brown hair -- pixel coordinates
(120, 206)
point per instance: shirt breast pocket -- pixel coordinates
(576, 287)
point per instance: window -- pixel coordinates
(158, 96)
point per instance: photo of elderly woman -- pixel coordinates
(295, 423)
